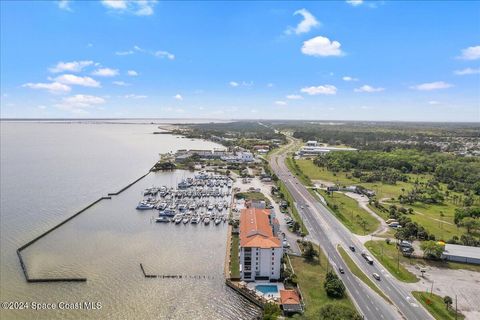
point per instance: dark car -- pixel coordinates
(352, 248)
(341, 270)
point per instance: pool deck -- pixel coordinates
(276, 295)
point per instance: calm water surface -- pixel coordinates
(51, 170)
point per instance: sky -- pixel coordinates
(337, 60)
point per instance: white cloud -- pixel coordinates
(53, 87)
(270, 85)
(105, 72)
(73, 66)
(124, 53)
(432, 86)
(178, 97)
(470, 53)
(233, 84)
(134, 96)
(369, 89)
(348, 78)
(64, 5)
(305, 25)
(132, 73)
(294, 97)
(121, 83)
(115, 4)
(42, 107)
(325, 89)
(136, 7)
(89, 45)
(355, 2)
(281, 103)
(433, 102)
(164, 54)
(321, 47)
(467, 71)
(79, 101)
(72, 79)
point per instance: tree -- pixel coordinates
(335, 311)
(333, 285)
(309, 252)
(432, 249)
(448, 301)
(271, 311)
(470, 223)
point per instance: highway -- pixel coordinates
(328, 232)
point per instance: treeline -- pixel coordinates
(235, 130)
(385, 136)
(459, 173)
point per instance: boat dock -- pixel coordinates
(204, 199)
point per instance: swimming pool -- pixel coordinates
(267, 288)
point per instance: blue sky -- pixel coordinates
(339, 60)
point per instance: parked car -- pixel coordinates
(376, 276)
(285, 244)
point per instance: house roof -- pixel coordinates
(289, 297)
(255, 229)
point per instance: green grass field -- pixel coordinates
(436, 218)
(310, 278)
(234, 263)
(350, 214)
(253, 196)
(387, 254)
(359, 273)
(296, 170)
(435, 305)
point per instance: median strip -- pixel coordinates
(359, 273)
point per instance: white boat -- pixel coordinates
(186, 219)
(144, 206)
(195, 220)
(178, 218)
(206, 221)
(217, 221)
(162, 219)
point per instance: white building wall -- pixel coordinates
(264, 263)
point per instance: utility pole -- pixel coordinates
(431, 290)
(456, 311)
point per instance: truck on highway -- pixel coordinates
(367, 257)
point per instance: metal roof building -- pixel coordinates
(458, 253)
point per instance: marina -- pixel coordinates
(202, 199)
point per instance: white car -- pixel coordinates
(376, 276)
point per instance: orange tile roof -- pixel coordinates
(289, 297)
(255, 229)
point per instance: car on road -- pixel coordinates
(352, 248)
(376, 276)
(341, 270)
(302, 207)
(285, 244)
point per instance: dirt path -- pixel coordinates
(363, 203)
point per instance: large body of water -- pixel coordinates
(51, 170)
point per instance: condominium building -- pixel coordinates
(260, 250)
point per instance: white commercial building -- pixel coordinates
(260, 251)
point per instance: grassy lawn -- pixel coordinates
(387, 255)
(295, 170)
(434, 304)
(253, 196)
(350, 214)
(289, 199)
(234, 263)
(310, 278)
(359, 273)
(436, 218)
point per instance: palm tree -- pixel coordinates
(448, 301)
